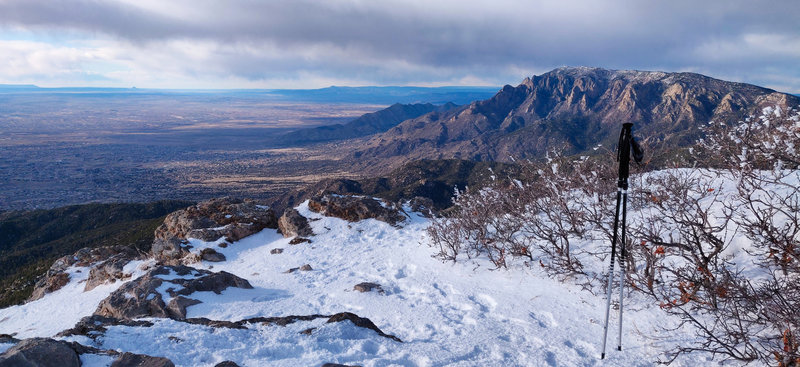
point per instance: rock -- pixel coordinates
(360, 322)
(141, 298)
(216, 218)
(299, 240)
(368, 287)
(40, 352)
(339, 365)
(139, 360)
(355, 208)
(177, 306)
(276, 251)
(48, 284)
(308, 331)
(305, 267)
(95, 325)
(56, 277)
(169, 250)
(110, 270)
(209, 254)
(292, 223)
(226, 364)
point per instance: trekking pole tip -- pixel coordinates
(602, 356)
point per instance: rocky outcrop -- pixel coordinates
(112, 269)
(95, 325)
(571, 108)
(142, 298)
(140, 360)
(210, 220)
(46, 352)
(292, 224)
(216, 218)
(105, 265)
(355, 208)
(40, 352)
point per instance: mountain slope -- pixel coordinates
(367, 124)
(31, 240)
(576, 108)
(463, 314)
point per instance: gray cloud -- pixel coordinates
(404, 42)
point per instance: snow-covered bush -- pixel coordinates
(717, 246)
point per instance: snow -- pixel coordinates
(63, 308)
(447, 314)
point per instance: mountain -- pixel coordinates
(31, 240)
(367, 124)
(433, 180)
(577, 108)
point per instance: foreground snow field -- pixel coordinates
(463, 314)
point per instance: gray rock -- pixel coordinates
(355, 208)
(216, 218)
(276, 251)
(40, 352)
(226, 364)
(360, 322)
(368, 287)
(292, 224)
(306, 267)
(209, 254)
(299, 240)
(177, 306)
(109, 271)
(140, 297)
(139, 360)
(169, 250)
(56, 277)
(95, 325)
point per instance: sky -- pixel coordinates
(315, 43)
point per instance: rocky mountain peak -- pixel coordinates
(576, 108)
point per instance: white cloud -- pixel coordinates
(266, 43)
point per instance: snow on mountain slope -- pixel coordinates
(463, 314)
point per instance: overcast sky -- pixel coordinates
(317, 43)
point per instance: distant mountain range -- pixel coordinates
(368, 124)
(360, 95)
(577, 108)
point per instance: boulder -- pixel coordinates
(169, 250)
(140, 360)
(226, 364)
(292, 224)
(368, 287)
(276, 251)
(217, 218)
(141, 298)
(355, 208)
(299, 240)
(40, 352)
(209, 254)
(56, 277)
(109, 271)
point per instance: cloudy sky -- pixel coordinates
(317, 43)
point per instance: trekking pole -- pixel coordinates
(626, 144)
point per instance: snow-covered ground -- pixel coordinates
(463, 314)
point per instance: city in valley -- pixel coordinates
(68, 148)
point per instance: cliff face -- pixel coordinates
(576, 108)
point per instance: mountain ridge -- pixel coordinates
(576, 108)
